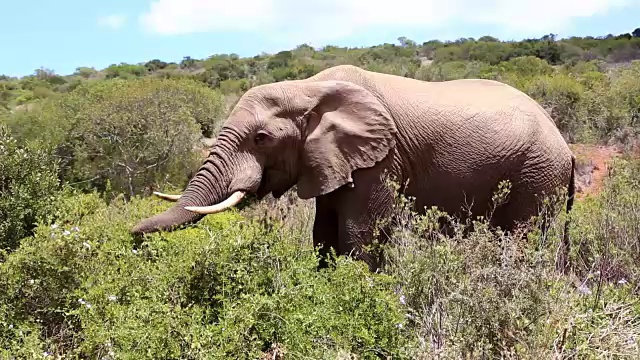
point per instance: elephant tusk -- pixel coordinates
(233, 200)
(167, 196)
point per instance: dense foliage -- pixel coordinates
(84, 151)
(125, 135)
(79, 287)
(28, 189)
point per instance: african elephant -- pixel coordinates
(335, 134)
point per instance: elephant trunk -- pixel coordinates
(173, 217)
(209, 186)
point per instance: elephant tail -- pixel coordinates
(566, 243)
(572, 184)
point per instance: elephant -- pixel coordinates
(336, 134)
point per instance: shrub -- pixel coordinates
(126, 135)
(561, 95)
(609, 105)
(608, 230)
(225, 288)
(441, 72)
(230, 287)
(626, 87)
(28, 189)
(4, 115)
(486, 294)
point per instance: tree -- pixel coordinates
(406, 42)
(85, 72)
(488, 38)
(187, 62)
(155, 64)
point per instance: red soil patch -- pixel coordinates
(592, 166)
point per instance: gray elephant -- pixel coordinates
(335, 134)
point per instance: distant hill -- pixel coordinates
(233, 74)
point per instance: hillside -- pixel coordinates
(81, 153)
(230, 73)
(584, 82)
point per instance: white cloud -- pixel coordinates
(114, 21)
(188, 16)
(543, 16)
(329, 20)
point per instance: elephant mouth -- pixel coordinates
(235, 196)
(272, 182)
(263, 189)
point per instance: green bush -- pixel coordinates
(561, 96)
(626, 88)
(28, 189)
(125, 71)
(451, 71)
(4, 115)
(125, 135)
(226, 288)
(526, 67)
(608, 229)
(232, 287)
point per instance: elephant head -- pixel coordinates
(312, 134)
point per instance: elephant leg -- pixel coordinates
(356, 234)
(359, 210)
(325, 229)
(518, 211)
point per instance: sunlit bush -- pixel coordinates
(28, 189)
(561, 96)
(226, 288)
(125, 135)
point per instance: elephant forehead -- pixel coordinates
(264, 96)
(249, 118)
(244, 112)
(286, 96)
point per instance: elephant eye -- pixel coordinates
(261, 138)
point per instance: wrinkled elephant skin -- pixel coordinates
(336, 133)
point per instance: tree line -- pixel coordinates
(231, 73)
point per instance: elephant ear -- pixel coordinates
(347, 129)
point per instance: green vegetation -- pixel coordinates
(80, 153)
(28, 188)
(124, 135)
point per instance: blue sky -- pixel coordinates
(65, 34)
